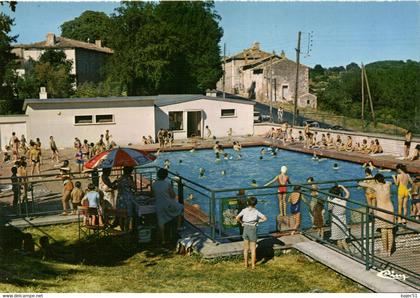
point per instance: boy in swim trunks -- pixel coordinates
(401, 180)
(294, 200)
(249, 219)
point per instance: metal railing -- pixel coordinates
(218, 207)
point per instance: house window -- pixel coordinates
(257, 71)
(104, 118)
(228, 112)
(176, 121)
(308, 102)
(83, 119)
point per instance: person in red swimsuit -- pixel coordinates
(283, 180)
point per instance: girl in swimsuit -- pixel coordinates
(402, 180)
(283, 180)
(294, 200)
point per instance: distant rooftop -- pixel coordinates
(58, 42)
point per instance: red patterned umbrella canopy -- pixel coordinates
(119, 157)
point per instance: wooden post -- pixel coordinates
(370, 97)
(297, 79)
(363, 93)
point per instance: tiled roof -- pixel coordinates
(62, 42)
(251, 54)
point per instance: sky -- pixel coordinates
(333, 33)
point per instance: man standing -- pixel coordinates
(280, 115)
(14, 144)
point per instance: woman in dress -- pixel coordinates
(337, 205)
(167, 208)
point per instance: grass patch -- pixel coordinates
(116, 265)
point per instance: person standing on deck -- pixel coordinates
(280, 112)
(14, 143)
(208, 132)
(283, 180)
(384, 221)
(401, 180)
(407, 143)
(54, 150)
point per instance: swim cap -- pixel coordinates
(283, 169)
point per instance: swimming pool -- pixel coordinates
(239, 172)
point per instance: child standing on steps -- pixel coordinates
(249, 219)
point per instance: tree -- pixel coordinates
(169, 47)
(89, 26)
(52, 71)
(7, 76)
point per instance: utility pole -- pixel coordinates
(363, 93)
(224, 68)
(271, 89)
(297, 79)
(370, 97)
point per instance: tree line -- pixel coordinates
(394, 85)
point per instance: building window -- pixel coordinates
(257, 71)
(176, 121)
(308, 102)
(104, 118)
(82, 119)
(228, 112)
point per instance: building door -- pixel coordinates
(284, 91)
(194, 124)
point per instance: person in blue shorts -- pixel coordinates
(294, 200)
(249, 218)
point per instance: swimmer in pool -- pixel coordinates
(315, 157)
(190, 197)
(223, 173)
(369, 165)
(262, 151)
(274, 153)
(261, 157)
(217, 157)
(166, 164)
(336, 167)
(254, 183)
(201, 172)
(192, 150)
(180, 161)
(225, 156)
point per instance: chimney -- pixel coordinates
(43, 93)
(256, 46)
(98, 43)
(50, 39)
(211, 93)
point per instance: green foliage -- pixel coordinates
(6, 57)
(89, 26)
(102, 89)
(166, 47)
(52, 71)
(394, 87)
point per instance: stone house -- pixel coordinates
(87, 59)
(248, 74)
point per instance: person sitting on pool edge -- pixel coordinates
(249, 218)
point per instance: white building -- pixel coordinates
(129, 118)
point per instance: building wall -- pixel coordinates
(242, 123)
(35, 54)
(233, 77)
(89, 65)
(131, 122)
(9, 124)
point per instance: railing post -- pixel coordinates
(212, 215)
(367, 265)
(180, 191)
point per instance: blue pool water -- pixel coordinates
(240, 172)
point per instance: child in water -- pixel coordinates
(336, 167)
(254, 183)
(201, 172)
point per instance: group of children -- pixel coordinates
(165, 138)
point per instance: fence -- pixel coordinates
(357, 221)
